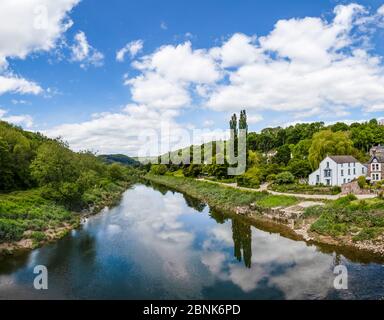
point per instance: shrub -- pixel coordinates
(192, 171)
(336, 190)
(362, 182)
(159, 169)
(250, 179)
(116, 172)
(285, 178)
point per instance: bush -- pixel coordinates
(250, 179)
(116, 172)
(285, 178)
(192, 171)
(159, 169)
(362, 182)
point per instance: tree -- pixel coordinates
(6, 173)
(326, 143)
(193, 170)
(285, 178)
(54, 163)
(159, 169)
(300, 168)
(283, 155)
(116, 172)
(301, 150)
(339, 126)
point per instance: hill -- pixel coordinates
(120, 158)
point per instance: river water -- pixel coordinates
(159, 244)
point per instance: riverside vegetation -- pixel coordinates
(44, 186)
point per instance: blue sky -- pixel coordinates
(64, 79)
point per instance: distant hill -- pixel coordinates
(120, 158)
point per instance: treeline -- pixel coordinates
(285, 155)
(30, 160)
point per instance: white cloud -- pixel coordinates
(306, 64)
(84, 53)
(380, 11)
(163, 25)
(237, 51)
(133, 48)
(23, 120)
(181, 63)
(34, 25)
(168, 74)
(26, 27)
(14, 84)
(252, 119)
(158, 92)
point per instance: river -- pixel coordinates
(159, 244)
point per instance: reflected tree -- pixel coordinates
(194, 203)
(242, 241)
(218, 216)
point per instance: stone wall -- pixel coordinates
(353, 187)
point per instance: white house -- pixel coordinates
(337, 170)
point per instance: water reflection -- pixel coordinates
(159, 244)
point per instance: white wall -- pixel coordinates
(340, 173)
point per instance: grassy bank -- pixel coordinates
(27, 219)
(220, 196)
(362, 220)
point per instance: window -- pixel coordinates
(328, 182)
(363, 170)
(345, 181)
(327, 164)
(354, 171)
(349, 172)
(342, 173)
(349, 165)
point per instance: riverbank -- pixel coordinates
(347, 222)
(28, 220)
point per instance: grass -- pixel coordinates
(29, 211)
(305, 189)
(222, 197)
(364, 219)
(27, 215)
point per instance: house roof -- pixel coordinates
(379, 157)
(344, 159)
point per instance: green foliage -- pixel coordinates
(285, 178)
(329, 143)
(250, 179)
(159, 169)
(299, 168)
(283, 155)
(120, 158)
(305, 189)
(221, 197)
(192, 171)
(116, 172)
(362, 181)
(54, 163)
(347, 215)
